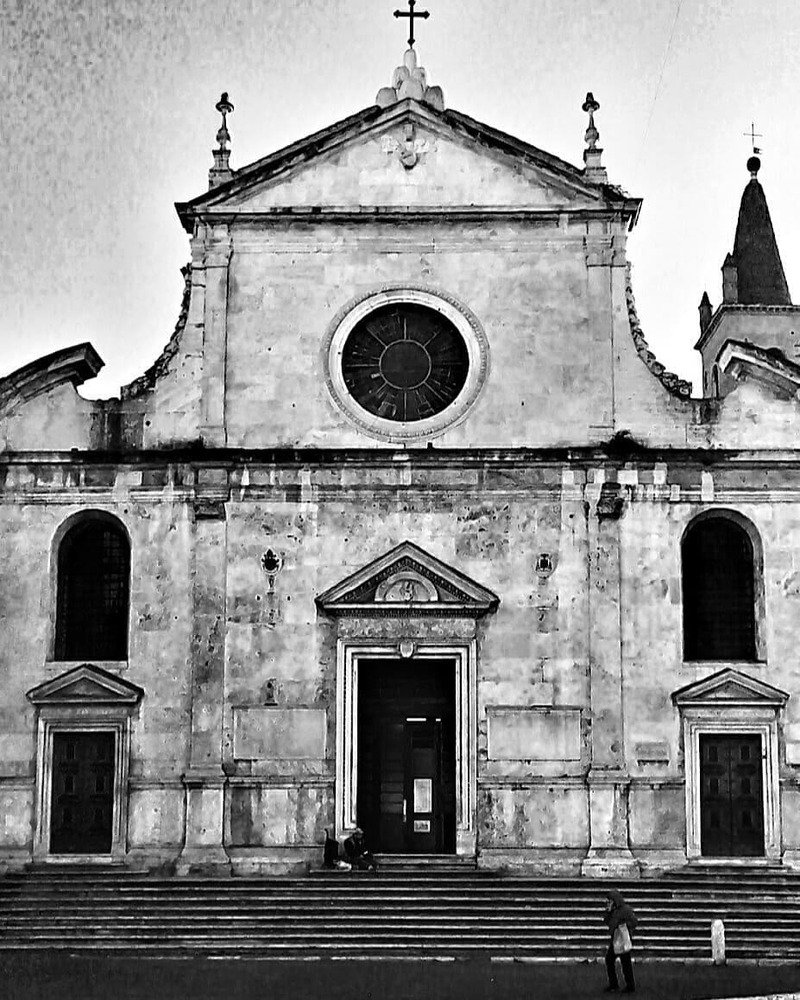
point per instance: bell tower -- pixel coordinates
(756, 307)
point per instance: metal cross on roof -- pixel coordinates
(753, 136)
(411, 14)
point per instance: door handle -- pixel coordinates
(405, 808)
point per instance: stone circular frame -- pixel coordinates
(461, 318)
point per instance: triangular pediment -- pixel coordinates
(85, 685)
(408, 156)
(730, 687)
(408, 580)
(769, 370)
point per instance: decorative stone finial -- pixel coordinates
(754, 165)
(410, 81)
(592, 155)
(221, 171)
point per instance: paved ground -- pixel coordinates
(28, 977)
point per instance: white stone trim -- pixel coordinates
(456, 312)
(722, 720)
(80, 720)
(463, 656)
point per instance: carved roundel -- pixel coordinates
(405, 362)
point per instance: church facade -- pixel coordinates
(406, 528)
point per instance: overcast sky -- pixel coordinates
(108, 119)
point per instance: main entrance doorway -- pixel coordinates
(406, 795)
(731, 796)
(82, 802)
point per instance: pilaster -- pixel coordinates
(204, 779)
(216, 260)
(609, 849)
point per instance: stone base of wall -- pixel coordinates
(14, 859)
(274, 860)
(541, 861)
(659, 860)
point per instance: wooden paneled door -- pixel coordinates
(731, 796)
(406, 756)
(82, 803)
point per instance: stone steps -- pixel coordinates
(411, 914)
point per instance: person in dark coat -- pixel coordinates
(355, 850)
(618, 913)
(330, 853)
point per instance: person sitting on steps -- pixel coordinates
(330, 854)
(355, 849)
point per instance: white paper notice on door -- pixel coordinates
(423, 795)
(422, 826)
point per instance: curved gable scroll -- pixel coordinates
(75, 364)
(407, 581)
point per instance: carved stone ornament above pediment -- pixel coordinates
(407, 581)
(85, 685)
(407, 585)
(730, 687)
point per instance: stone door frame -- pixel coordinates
(464, 655)
(84, 699)
(748, 722)
(726, 703)
(48, 726)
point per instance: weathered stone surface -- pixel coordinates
(534, 734)
(565, 490)
(278, 733)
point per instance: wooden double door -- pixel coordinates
(731, 796)
(406, 799)
(82, 797)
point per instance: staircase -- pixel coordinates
(395, 914)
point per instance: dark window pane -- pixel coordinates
(405, 362)
(93, 580)
(718, 592)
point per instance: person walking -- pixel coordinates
(621, 922)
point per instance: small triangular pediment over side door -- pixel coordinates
(85, 685)
(408, 580)
(730, 687)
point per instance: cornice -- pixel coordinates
(612, 454)
(734, 307)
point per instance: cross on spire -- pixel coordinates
(753, 136)
(411, 14)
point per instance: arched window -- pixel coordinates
(719, 590)
(92, 591)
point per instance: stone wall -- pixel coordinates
(523, 529)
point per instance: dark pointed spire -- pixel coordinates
(759, 272)
(705, 311)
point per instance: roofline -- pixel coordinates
(731, 307)
(327, 138)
